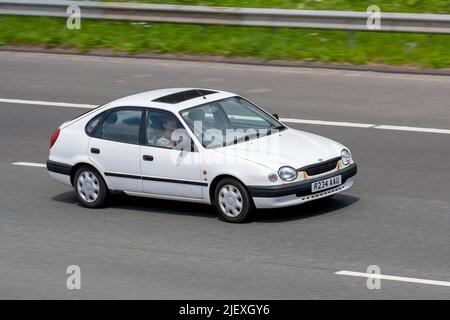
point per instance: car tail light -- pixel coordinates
(54, 137)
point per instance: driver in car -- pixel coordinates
(170, 125)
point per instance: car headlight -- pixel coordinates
(346, 157)
(287, 173)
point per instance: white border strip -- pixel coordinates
(416, 129)
(393, 278)
(50, 104)
(29, 164)
(288, 120)
(329, 123)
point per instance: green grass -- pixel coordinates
(262, 43)
(419, 6)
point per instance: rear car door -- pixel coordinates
(114, 147)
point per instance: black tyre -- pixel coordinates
(233, 201)
(90, 187)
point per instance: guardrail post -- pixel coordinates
(351, 39)
(430, 39)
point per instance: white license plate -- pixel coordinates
(326, 184)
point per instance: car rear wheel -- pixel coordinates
(90, 187)
(232, 201)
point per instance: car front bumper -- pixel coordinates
(299, 192)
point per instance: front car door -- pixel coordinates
(170, 167)
(115, 148)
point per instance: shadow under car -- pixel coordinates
(302, 211)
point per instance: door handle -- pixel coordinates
(147, 158)
(95, 150)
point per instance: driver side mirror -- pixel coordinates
(276, 116)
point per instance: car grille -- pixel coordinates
(322, 167)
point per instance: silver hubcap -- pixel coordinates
(230, 201)
(88, 186)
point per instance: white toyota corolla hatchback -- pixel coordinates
(198, 145)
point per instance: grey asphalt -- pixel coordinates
(396, 216)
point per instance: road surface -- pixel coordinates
(397, 215)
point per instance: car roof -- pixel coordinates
(171, 99)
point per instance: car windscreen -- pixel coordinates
(229, 121)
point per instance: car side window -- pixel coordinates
(122, 125)
(93, 124)
(164, 130)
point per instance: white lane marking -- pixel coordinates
(212, 80)
(258, 90)
(329, 123)
(47, 103)
(393, 278)
(29, 164)
(147, 75)
(289, 120)
(416, 129)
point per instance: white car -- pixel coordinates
(198, 145)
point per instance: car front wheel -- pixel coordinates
(232, 201)
(90, 188)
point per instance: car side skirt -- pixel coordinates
(164, 197)
(129, 176)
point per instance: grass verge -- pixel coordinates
(262, 43)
